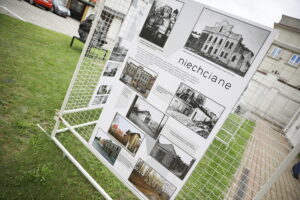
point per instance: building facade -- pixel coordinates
(273, 93)
(137, 77)
(167, 156)
(112, 149)
(221, 45)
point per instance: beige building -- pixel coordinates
(273, 93)
(284, 55)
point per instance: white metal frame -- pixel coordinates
(62, 111)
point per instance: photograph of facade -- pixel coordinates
(106, 147)
(273, 92)
(194, 110)
(99, 99)
(226, 41)
(111, 69)
(146, 117)
(102, 95)
(160, 21)
(104, 89)
(126, 134)
(172, 157)
(120, 50)
(139, 78)
(150, 183)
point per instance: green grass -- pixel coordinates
(36, 66)
(214, 173)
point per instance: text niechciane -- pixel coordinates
(204, 73)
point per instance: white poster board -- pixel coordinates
(182, 75)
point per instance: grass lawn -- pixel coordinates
(36, 66)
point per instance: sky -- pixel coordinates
(266, 12)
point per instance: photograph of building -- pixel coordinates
(104, 89)
(172, 157)
(106, 147)
(150, 183)
(99, 99)
(160, 21)
(139, 78)
(119, 51)
(194, 110)
(111, 69)
(146, 117)
(226, 41)
(101, 95)
(124, 132)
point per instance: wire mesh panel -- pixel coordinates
(97, 52)
(239, 170)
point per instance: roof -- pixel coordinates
(169, 148)
(131, 133)
(288, 22)
(144, 111)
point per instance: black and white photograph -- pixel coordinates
(106, 147)
(160, 21)
(172, 157)
(119, 51)
(226, 41)
(124, 132)
(150, 183)
(111, 69)
(194, 110)
(99, 99)
(104, 89)
(146, 117)
(138, 77)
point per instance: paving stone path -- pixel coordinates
(265, 151)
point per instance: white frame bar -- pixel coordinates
(77, 126)
(81, 169)
(100, 6)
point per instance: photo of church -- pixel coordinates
(226, 41)
(160, 21)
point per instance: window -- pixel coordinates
(220, 42)
(221, 29)
(226, 54)
(222, 53)
(231, 44)
(276, 52)
(216, 50)
(227, 43)
(205, 47)
(215, 40)
(209, 39)
(233, 58)
(295, 60)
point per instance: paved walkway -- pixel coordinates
(24, 11)
(265, 151)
